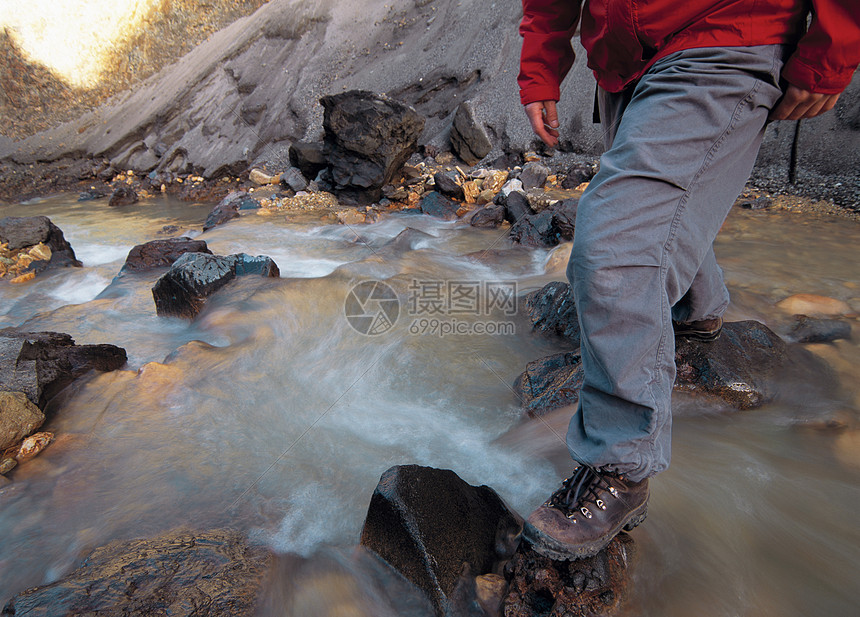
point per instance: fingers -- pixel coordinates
(799, 104)
(543, 117)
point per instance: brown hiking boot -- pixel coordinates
(703, 330)
(582, 517)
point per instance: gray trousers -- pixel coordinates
(680, 147)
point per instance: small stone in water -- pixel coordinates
(7, 465)
(33, 445)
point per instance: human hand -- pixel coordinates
(543, 117)
(798, 104)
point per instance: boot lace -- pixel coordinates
(584, 487)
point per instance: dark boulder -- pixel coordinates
(564, 218)
(740, 367)
(814, 330)
(182, 290)
(368, 138)
(308, 158)
(549, 227)
(516, 207)
(179, 573)
(294, 180)
(469, 139)
(552, 311)
(436, 204)
(92, 194)
(41, 364)
(428, 524)
(535, 230)
(28, 231)
(550, 383)
(577, 174)
(229, 208)
(489, 216)
(445, 184)
(579, 588)
(123, 196)
(534, 175)
(161, 253)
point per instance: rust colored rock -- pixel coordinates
(179, 573)
(30, 231)
(18, 418)
(581, 588)
(161, 253)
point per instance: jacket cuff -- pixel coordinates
(532, 94)
(806, 76)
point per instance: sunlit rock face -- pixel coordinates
(75, 38)
(64, 56)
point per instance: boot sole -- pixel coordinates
(558, 551)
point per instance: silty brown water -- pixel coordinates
(270, 413)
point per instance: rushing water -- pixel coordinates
(271, 414)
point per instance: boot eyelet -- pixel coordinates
(614, 491)
(586, 512)
(600, 504)
(572, 517)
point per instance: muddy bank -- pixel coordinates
(243, 96)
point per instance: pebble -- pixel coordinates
(7, 465)
(33, 445)
(258, 177)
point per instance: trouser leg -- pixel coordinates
(681, 151)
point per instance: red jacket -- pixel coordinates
(624, 38)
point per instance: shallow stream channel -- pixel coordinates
(277, 409)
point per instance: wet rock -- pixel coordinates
(18, 418)
(489, 216)
(182, 290)
(41, 364)
(580, 588)
(534, 175)
(308, 158)
(516, 207)
(552, 311)
(294, 180)
(469, 139)
(446, 184)
(229, 208)
(811, 304)
(535, 230)
(368, 138)
(92, 194)
(737, 367)
(577, 174)
(811, 330)
(23, 233)
(759, 203)
(161, 253)
(427, 523)
(123, 196)
(550, 383)
(6, 465)
(436, 204)
(180, 573)
(33, 445)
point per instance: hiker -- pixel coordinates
(685, 90)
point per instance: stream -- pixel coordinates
(271, 413)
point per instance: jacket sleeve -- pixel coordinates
(828, 54)
(547, 55)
